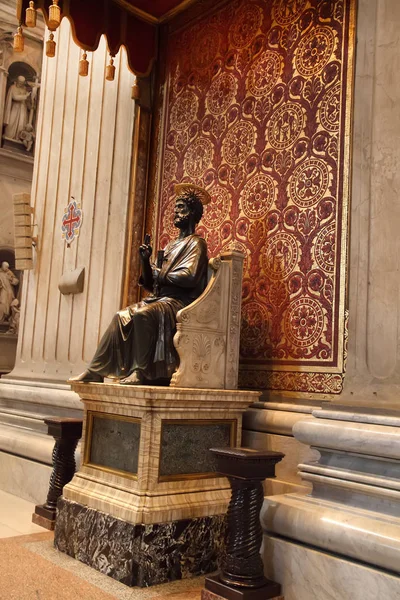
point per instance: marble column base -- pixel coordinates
(137, 554)
(309, 574)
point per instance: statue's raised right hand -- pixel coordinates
(145, 251)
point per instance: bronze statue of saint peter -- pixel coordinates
(137, 347)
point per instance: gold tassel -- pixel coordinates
(110, 70)
(84, 65)
(54, 16)
(135, 91)
(30, 15)
(51, 46)
(18, 40)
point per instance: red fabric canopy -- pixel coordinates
(92, 18)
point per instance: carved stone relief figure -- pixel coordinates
(14, 317)
(7, 283)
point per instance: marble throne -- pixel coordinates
(208, 330)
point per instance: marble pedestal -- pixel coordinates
(148, 481)
(352, 515)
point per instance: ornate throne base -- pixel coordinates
(146, 506)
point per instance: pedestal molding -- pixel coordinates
(360, 438)
(272, 421)
(363, 535)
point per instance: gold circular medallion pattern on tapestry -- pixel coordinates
(245, 26)
(216, 211)
(168, 216)
(221, 93)
(288, 11)
(254, 326)
(329, 111)
(285, 126)
(184, 111)
(198, 157)
(280, 256)
(264, 73)
(309, 183)
(314, 51)
(304, 322)
(238, 143)
(257, 197)
(325, 248)
(205, 48)
(170, 165)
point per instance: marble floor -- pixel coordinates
(32, 569)
(16, 516)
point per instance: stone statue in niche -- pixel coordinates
(20, 110)
(137, 347)
(7, 283)
(16, 114)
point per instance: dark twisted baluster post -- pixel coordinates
(66, 433)
(242, 570)
(242, 564)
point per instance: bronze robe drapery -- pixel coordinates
(140, 337)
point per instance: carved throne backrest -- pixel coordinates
(208, 330)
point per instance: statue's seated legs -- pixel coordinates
(138, 346)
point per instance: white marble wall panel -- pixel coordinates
(83, 150)
(24, 478)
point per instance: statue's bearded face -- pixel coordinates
(182, 214)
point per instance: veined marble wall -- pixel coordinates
(83, 151)
(373, 372)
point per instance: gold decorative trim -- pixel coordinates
(148, 18)
(175, 11)
(191, 476)
(138, 12)
(88, 442)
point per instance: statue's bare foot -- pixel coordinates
(135, 378)
(88, 377)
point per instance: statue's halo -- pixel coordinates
(203, 195)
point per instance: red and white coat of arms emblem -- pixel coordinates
(71, 222)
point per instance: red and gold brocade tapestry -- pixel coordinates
(258, 112)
